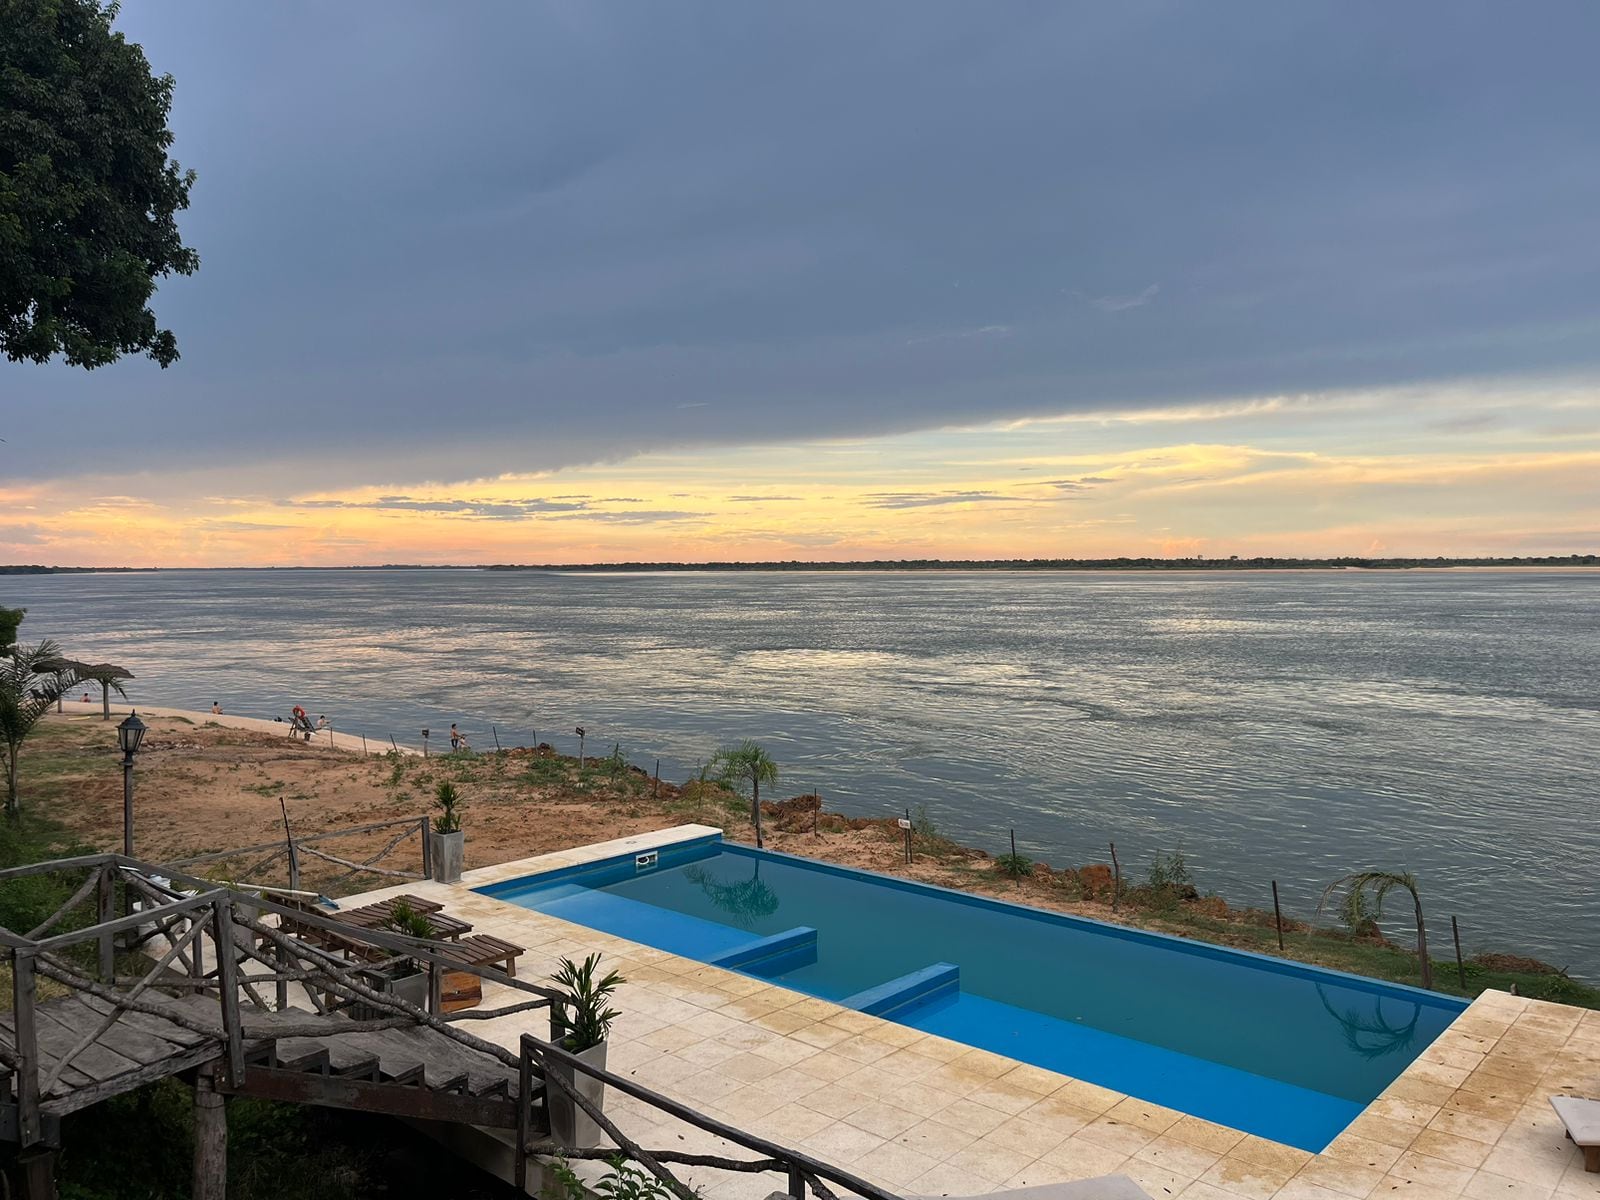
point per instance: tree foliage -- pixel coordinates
(10, 618)
(746, 765)
(1361, 895)
(88, 196)
(30, 680)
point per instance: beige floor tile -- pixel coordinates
(1086, 1157)
(1486, 1185)
(792, 1122)
(1159, 1183)
(946, 1180)
(837, 1100)
(1244, 1178)
(1432, 1172)
(966, 1114)
(1006, 1097)
(1114, 1134)
(1034, 1079)
(1200, 1190)
(1057, 1114)
(1088, 1095)
(1180, 1156)
(1151, 1117)
(896, 1165)
(1339, 1175)
(1465, 1152)
(1542, 1168)
(936, 1139)
(826, 1065)
(883, 1119)
(820, 1034)
(989, 1160)
(1208, 1135)
(1028, 1137)
(842, 1144)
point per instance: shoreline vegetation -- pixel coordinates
(205, 787)
(1230, 563)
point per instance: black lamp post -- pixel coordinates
(129, 735)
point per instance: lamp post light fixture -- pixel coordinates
(130, 734)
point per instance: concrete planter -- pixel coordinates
(570, 1126)
(448, 856)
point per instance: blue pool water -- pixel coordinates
(1289, 1052)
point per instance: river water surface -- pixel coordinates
(1292, 725)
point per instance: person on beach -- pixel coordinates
(455, 737)
(322, 721)
(216, 708)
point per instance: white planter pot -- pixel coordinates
(448, 856)
(570, 1126)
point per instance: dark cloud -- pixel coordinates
(636, 516)
(931, 499)
(760, 499)
(510, 510)
(457, 242)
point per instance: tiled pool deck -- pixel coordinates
(922, 1115)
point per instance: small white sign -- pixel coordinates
(903, 823)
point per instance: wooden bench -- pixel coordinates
(1582, 1119)
(481, 950)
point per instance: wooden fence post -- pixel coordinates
(1277, 913)
(427, 850)
(105, 910)
(1116, 879)
(210, 1179)
(227, 984)
(25, 1030)
(1461, 970)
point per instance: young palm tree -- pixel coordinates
(747, 763)
(31, 678)
(1356, 907)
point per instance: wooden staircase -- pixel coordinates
(409, 1072)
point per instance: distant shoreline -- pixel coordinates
(1572, 562)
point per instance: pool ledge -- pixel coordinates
(920, 1114)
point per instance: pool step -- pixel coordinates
(773, 955)
(893, 998)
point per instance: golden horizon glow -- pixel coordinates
(1282, 477)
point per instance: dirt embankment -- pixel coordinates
(203, 788)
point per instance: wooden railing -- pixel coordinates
(249, 949)
(291, 849)
(800, 1171)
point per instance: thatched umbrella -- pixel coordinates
(108, 675)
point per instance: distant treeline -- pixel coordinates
(38, 569)
(1232, 563)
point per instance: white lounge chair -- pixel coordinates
(1582, 1119)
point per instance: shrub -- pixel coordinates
(1017, 866)
(447, 798)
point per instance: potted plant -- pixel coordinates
(580, 1023)
(449, 850)
(405, 979)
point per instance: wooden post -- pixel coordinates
(816, 810)
(797, 1182)
(280, 966)
(105, 905)
(435, 989)
(1461, 970)
(427, 850)
(36, 1171)
(363, 745)
(655, 788)
(908, 836)
(1116, 879)
(23, 993)
(496, 733)
(227, 985)
(524, 1118)
(1277, 913)
(210, 1141)
(394, 743)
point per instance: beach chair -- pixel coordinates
(1582, 1119)
(301, 724)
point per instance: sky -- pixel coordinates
(573, 282)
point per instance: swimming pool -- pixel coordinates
(1285, 1051)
